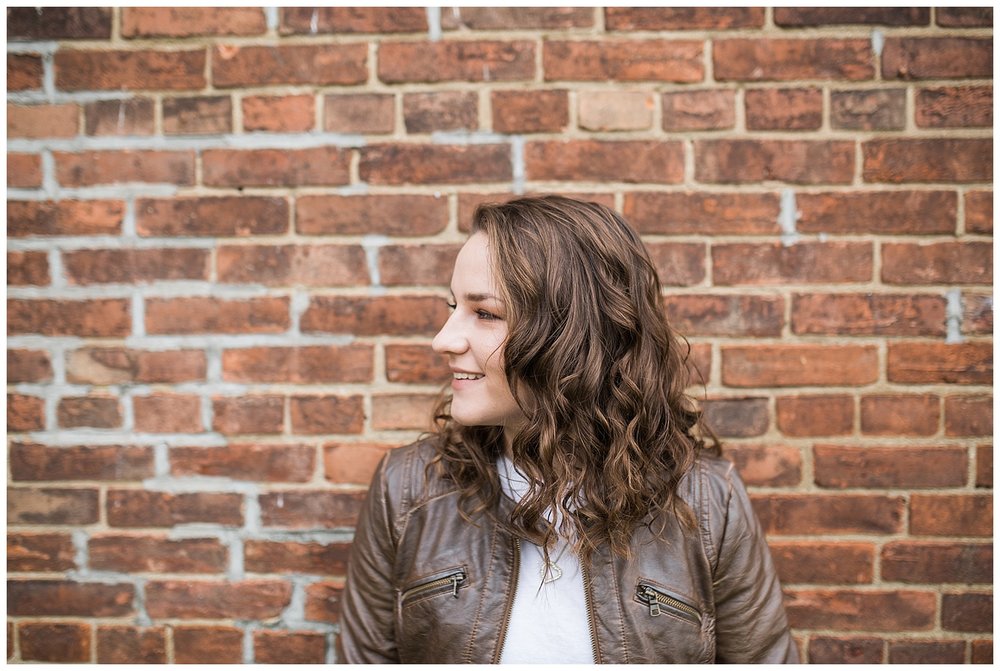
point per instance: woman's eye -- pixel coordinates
(483, 314)
(452, 306)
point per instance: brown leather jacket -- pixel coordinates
(425, 586)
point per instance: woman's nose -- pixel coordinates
(450, 339)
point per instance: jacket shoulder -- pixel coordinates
(709, 488)
(404, 475)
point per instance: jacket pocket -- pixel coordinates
(448, 582)
(659, 602)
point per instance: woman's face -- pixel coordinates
(473, 339)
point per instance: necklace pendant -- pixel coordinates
(550, 572)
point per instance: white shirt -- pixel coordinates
(548, 621)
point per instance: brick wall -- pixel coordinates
(230, 232)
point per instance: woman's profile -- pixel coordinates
(570, 506)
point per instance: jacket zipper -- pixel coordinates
(585, 572)
(510, 600)
(655, 598)
(455, 579)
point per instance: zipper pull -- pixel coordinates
(654, 605)
(455, 580)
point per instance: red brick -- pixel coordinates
(415, 364)
(951, 515)
(24, 71)
(701, 213)
(968, 415)
(42, 121)
(168, 413)
(402, 411)
(276, 167)
(91, 168)
(529, 111)
(323, 601)
(678, 263)
(133, 116)
(137, 508)
(967, 612)
(726, 315)
(872, 467)
(979, 212)
(683, 18)
(926, 652)
(23, 171)
(236, 66)
(784, 109)
(977, 314)
(868, 314)
(868, 109)
(64, 217)
(955, 107)
(359, 113)
(27, 268)
(36, 552)
(313, 415)
(289, 647)
(118, 365)
(417, 265)
(845, 650)
(886, 212)
(314, 509)
(313, 265)
(58, 23)
(605, 160)
(923, 363)
(216, 315)
(756, 59)
(299, 365)
(66, 598)
(804, 262)
(846, 610)
(822, 16)
(430, 111)
(244, 600)
(34, 507)
(322, 20)
(79, 70)
(24, 365)
(395, 215)
(249, 461)
(194, 644)
(964, 17)
(815, 415)
(280, 114)
(798, 365)
(794, 161)
(25, 413)
(937, 58)
(351, 463)
(982, 651)
(736, 417)
(155, 554)
(984, 466)
(398, 164)
(934, 562)
(248, 414)
(131, 645)
(699, 110)
(898, 415)
(135, 266)
(767, 465)
(937, 263)
(817, 514)
(98, 411)
(212, 217)
(824, 563)
(928, 160)
(517, 18)
(29, 461)
(191, 21)
(382, 315)
(680, 61)
(199, 115)
(296, 557)
(473, 61)
(51, 642)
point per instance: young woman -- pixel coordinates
(567, 509)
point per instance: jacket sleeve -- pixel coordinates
(751, 626)
(367, 624)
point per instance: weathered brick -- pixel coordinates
(545, 111)
(958, 363)
(824, 563)
(315, 509)
(319, 64)
(131, 116)
(804, 262)
(398, 164)
(868, 109)
(54, 642)
(982, 651)
(216, 315)
(415, 364)
(30, 461)
(926, 652)
(938, 263)
(24, 71)
(321, 20)
(726, 315)
(118, 365)
(899, 415)
(430, 111)
(138, 508)
(794, 161)
(312, 415)
(951, 515)
(64, 217)
(37, 552)
(276, 167)
(967, 612)
(83, 70)
(299, 365)
(200, 600)
(968, 415)
(24, 365)
(984, 466)
(868, 314)
(402, 411)
(191, 21)
(877, 212)
(420, 265)
(816, 514)
(396, 215)
(33, 506)
(955, 107)
(846, 610)
(977, 314)
(211, 217)
(822, 16)
(289, 647)
(979, 212)
(790, 365)
(701, 213)
(351, 463)
(194, 644)
(678, 263)
(155, 554)
(27, 268)
(931, 160)
(246, 461)
(736, 417)
(683, 18)
(168, 413)
(937, 58)
(381, 315)
(517, 18)
(964, 17)
(784, 109)
(23, 171)
(605, 160)
(98, 411)
(279, 114)
(842, 466)
(248, 414)
(323, 601)
(680, 61)
(815, 415)
(199, 115)
(711, 109)
(937, 562)
(359, 113)
(25, 413)
(91, 168)
(43, 121)
(293, 265)
(58, 23)
(296, 557)
(131, 645)
(135, 266)
(766, 465)
(66, 598)
(473, 61)
(757, 59)
(845, 650)
(615, 110)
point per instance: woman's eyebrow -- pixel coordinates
(477, 297)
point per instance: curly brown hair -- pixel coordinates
(598, 372)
